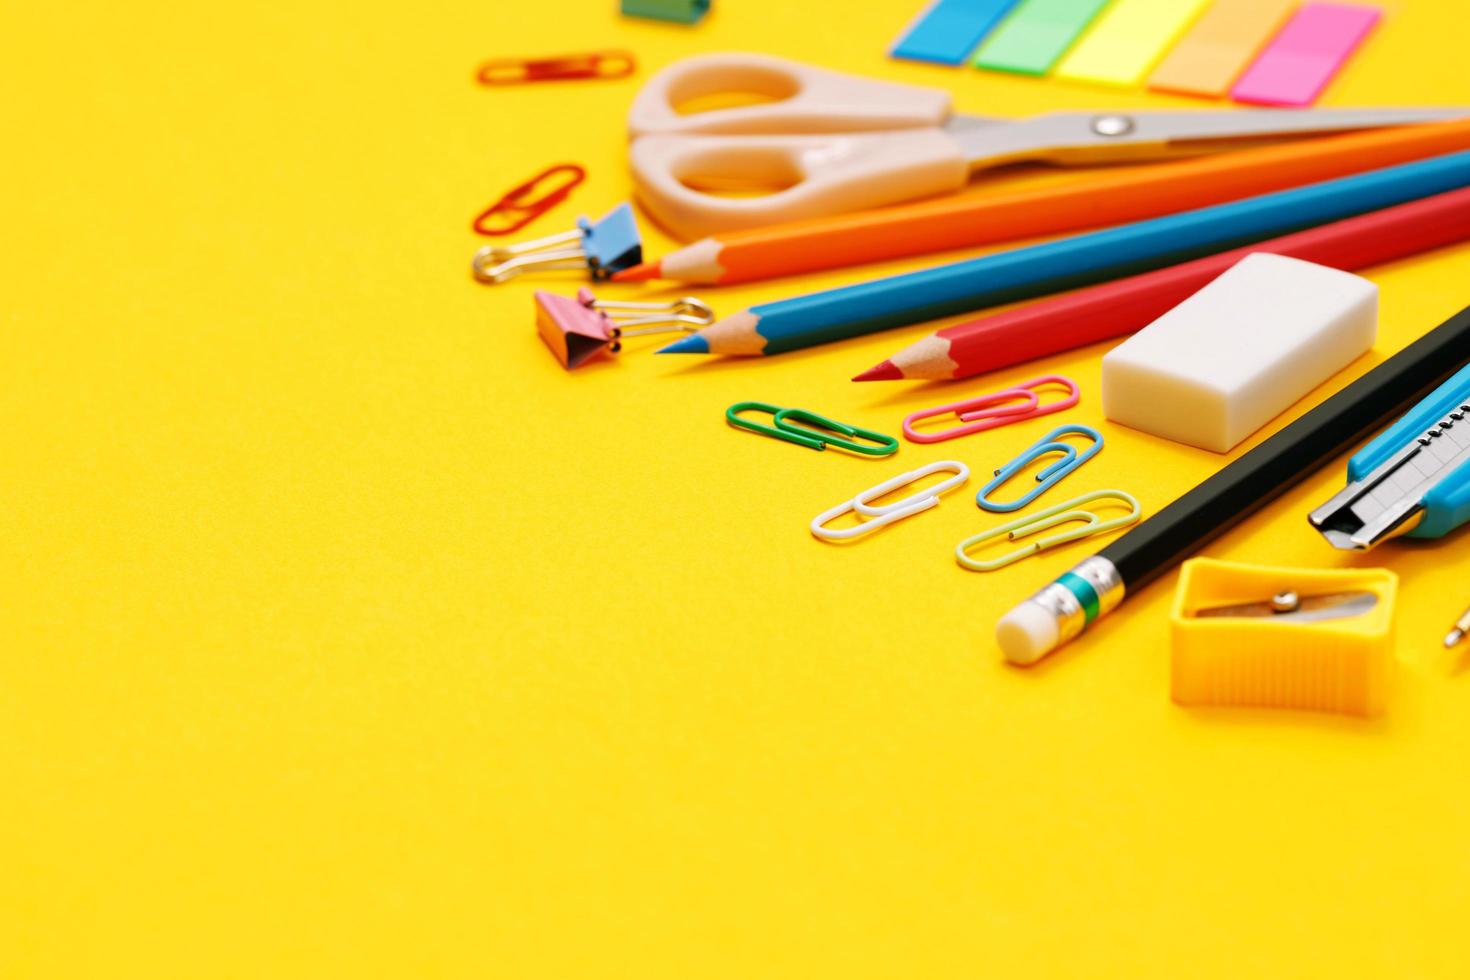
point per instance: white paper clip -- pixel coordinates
(889, 513)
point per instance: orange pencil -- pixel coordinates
(1091, 202)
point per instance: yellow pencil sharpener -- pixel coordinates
(1283, 637)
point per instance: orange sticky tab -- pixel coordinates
(1222, 43)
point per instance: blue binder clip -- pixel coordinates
(601, 247)
(679, 11)
(612, 244)
(1414, 479)
(1047, 478)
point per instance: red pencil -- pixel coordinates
(1117, 308)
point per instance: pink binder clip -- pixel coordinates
(992, 411)
(579, 329)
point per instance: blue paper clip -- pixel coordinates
(602, 247)
(1047, 478)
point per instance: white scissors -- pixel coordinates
(835, 143)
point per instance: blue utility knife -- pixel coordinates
(1414, 479)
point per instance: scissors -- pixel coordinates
(834, 143)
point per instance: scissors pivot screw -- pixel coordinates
(1113, 125)
(1285, 602)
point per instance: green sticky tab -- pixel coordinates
(1036, 34)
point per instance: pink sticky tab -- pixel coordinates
(1297, 65)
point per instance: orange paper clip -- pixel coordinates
(991, 411)
(594, 64)
(515, 207)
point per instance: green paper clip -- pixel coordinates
(679, 11)
(785, 429)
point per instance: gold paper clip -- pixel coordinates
(1041, 521)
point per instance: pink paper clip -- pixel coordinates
(991, 411)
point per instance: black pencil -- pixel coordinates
(1097, 585)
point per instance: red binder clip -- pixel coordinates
(594, 64)
(518, 211)
(991, 411)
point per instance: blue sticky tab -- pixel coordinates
(950, 29)
(613, 243)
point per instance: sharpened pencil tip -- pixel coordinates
(692, 344)
(886, 371)
(639, 273)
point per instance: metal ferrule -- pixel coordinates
(1091, 589)
(1065, 608)
(1103, 576)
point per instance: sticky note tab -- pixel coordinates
(1130, 37)
(948, 30)
(1220, 45)
(1036, 34)
(1311, 48)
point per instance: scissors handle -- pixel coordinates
(826, 175)
(806, 99)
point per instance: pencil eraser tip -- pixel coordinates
(693, 344)
(1026, 634)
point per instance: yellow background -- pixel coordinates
(345, 635)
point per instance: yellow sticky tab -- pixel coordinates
(1220, 46)
(1335, 654)
(1130, 37)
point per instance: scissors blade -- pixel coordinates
(1176, 127)
(1067, 137)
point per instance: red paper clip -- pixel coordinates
(594, 64)
(991, 412)
(521, 212)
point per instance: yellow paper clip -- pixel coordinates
(1041, 521)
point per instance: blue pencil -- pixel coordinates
(1067, 263)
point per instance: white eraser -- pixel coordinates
(1240, 351)
(1026, 633)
